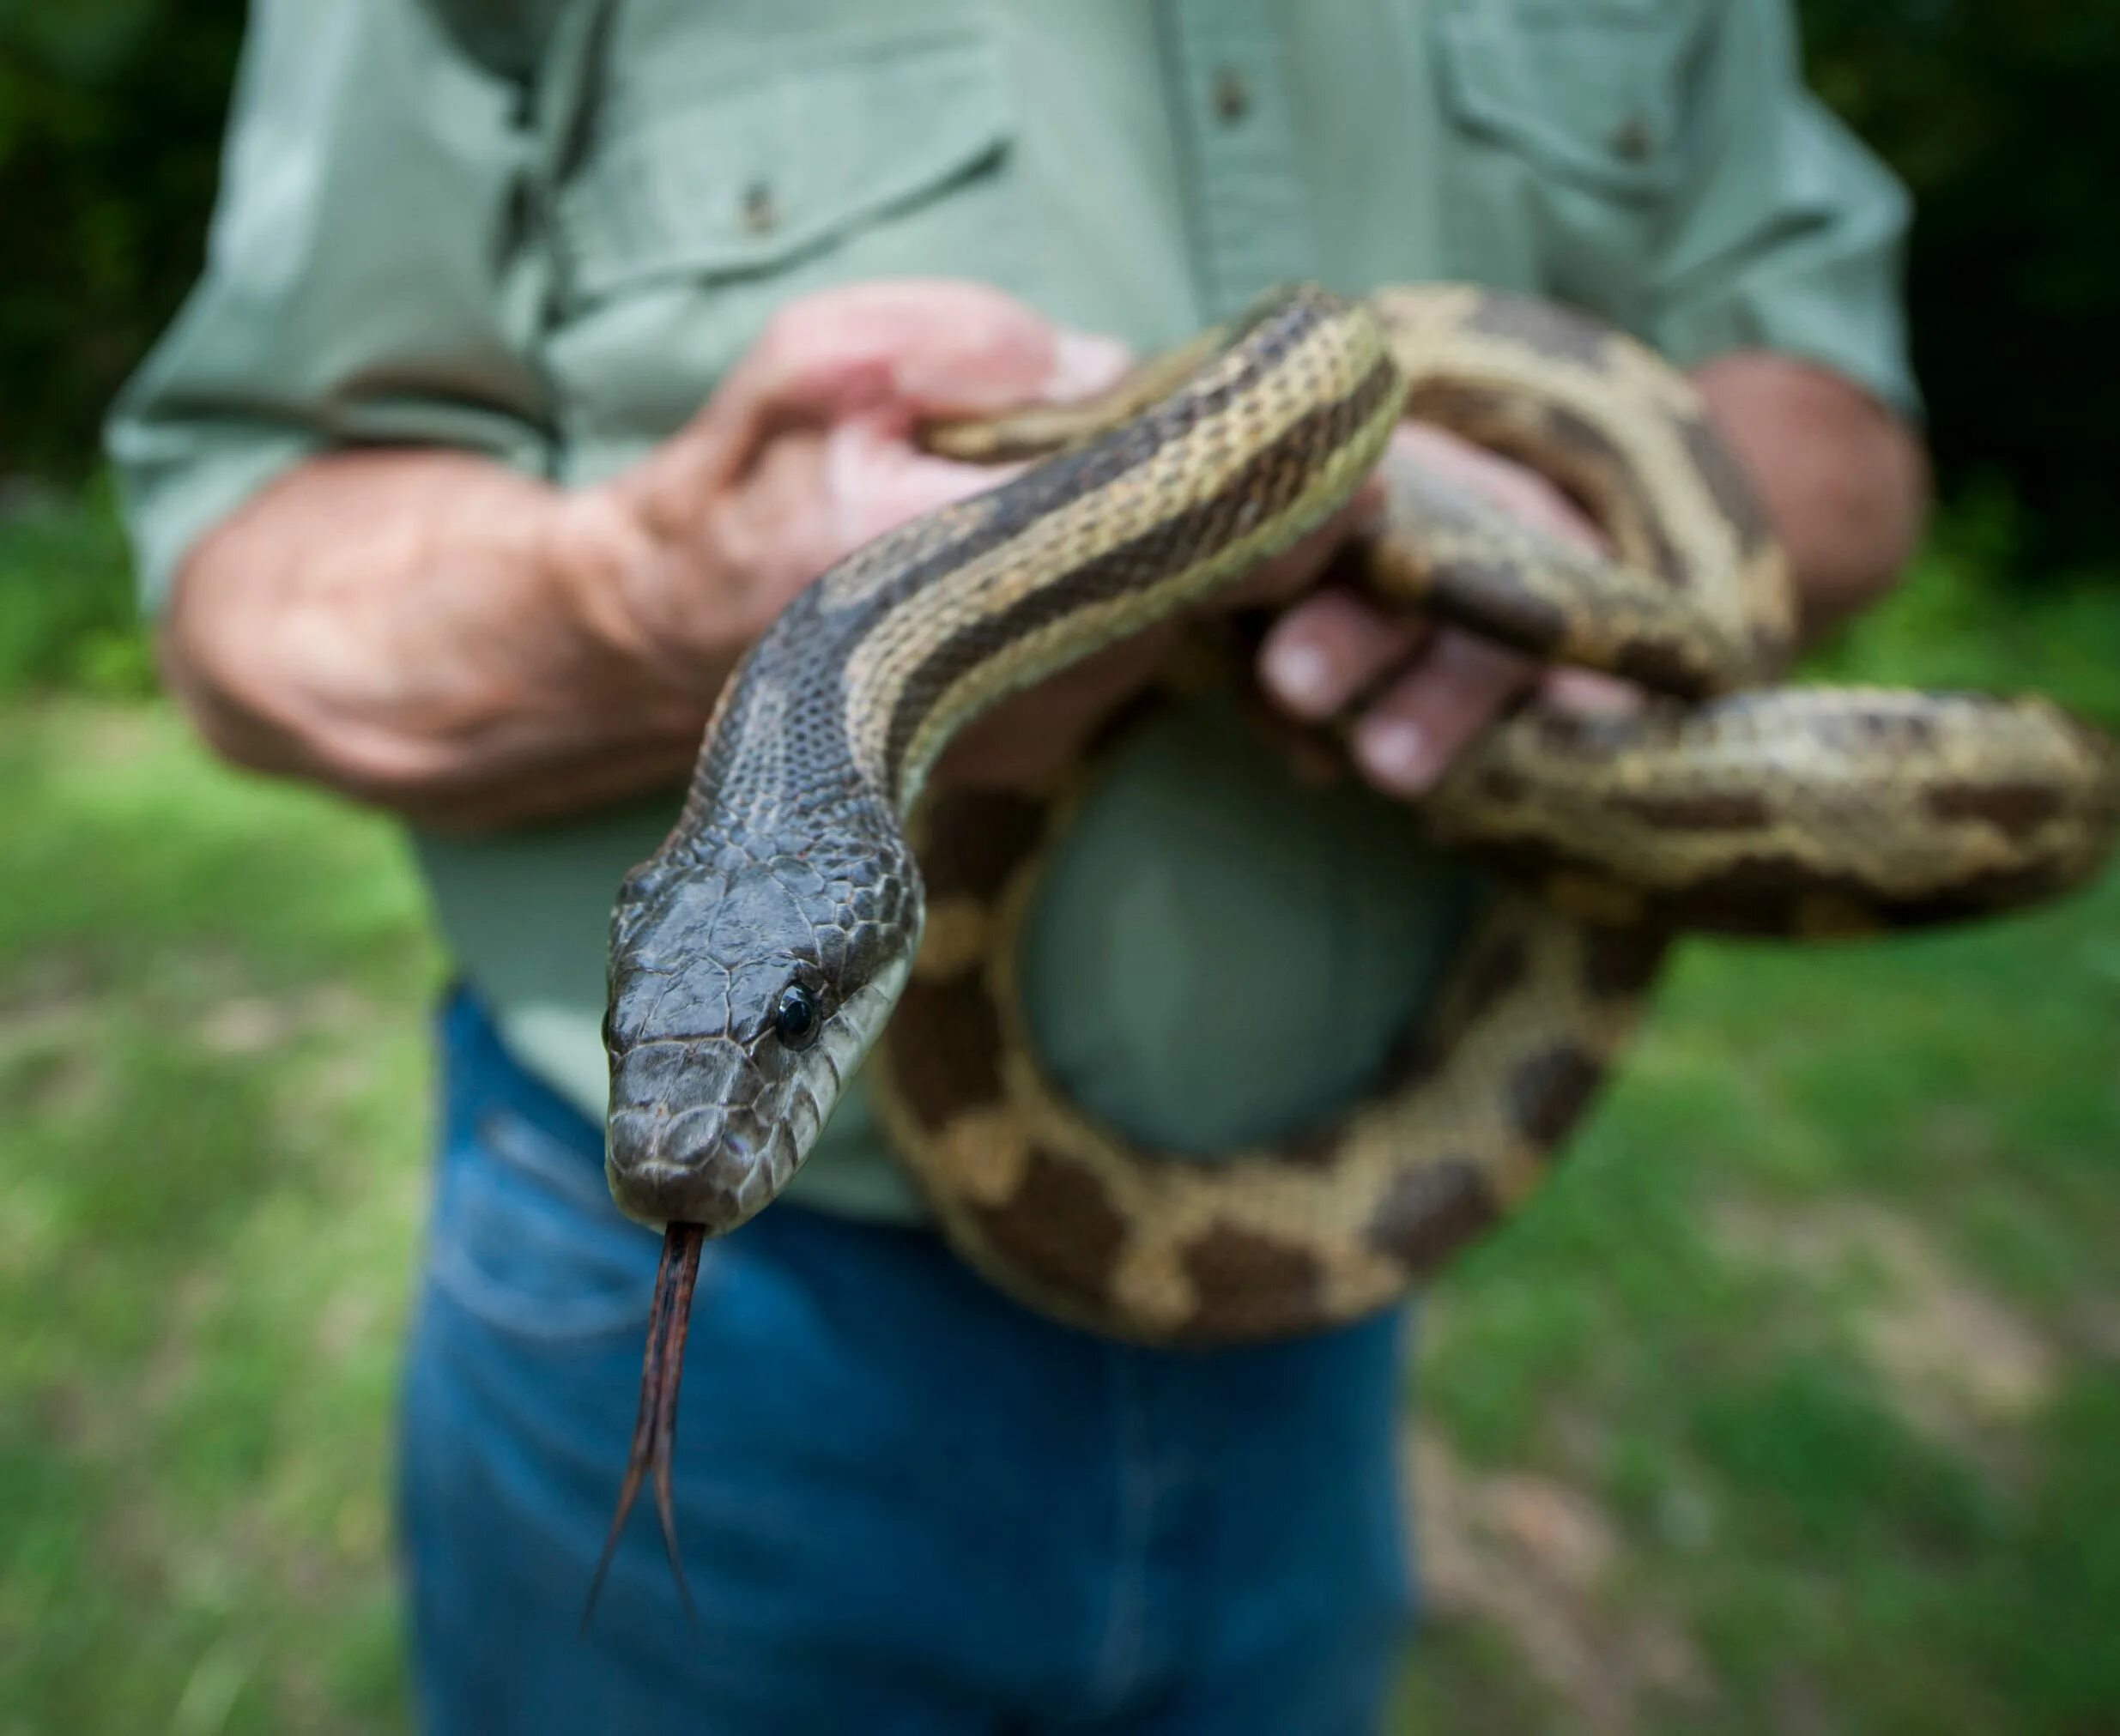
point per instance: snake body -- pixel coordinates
(756, 958)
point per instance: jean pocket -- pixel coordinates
(525, 1237)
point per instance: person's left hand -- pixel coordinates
(1435, 687)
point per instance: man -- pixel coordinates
(543, 351)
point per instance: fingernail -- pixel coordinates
(1083, 364)
(1300, 676)
(1396, 753)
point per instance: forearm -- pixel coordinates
(436, 634)
(432, 633)
(1843, 479)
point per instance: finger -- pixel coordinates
(932, 346)
(874, 480)
(1513, 487)
(1591, 693)
(903, 350)
(1406, 741)
(1329, 648)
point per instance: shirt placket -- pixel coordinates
(1232, 113)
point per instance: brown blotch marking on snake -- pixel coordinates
(1568, 450)
(1551, 330)
(1766, 894)
(2015, 810)
(975, 839)
(1550, 1090)
(1468, 409)
(946, 1045)
(1503, 787)
(1727, 487)
(1757, 893)
(1058, 1226)
(1493, 596)
(1664, 666)
(1430, 1211)
(1576, 437)
(1703, 810)
(1746, 899)
(1496, 970)
(1620, 962)
(1238, 1275)
(1314, 1148)
(1414, 1060)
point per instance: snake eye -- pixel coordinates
(797, 1020)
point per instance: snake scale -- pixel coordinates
(757, 956)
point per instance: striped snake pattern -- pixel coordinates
(756, 958)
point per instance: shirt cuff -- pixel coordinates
(1831, 317)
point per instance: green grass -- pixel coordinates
(1792, 1406)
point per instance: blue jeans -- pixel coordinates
(906, 1503)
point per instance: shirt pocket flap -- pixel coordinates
(1592, 92)
(818, 136)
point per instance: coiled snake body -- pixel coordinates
(757, 957)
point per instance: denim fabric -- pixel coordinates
(906, 1503)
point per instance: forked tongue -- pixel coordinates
(655, 1423)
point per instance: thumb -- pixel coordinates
(889, 354)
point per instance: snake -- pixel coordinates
(809, 911)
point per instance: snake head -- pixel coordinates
(742, 997)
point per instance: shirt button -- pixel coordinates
(761, 216)
(1231, 97)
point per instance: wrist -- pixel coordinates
(1842, 478)
(627, 592)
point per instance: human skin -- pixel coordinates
(436, 634)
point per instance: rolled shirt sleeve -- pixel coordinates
(1786, 233)
(362, 282)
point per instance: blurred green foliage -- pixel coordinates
(2002, 116)
(2000, 113)
(110, 122)
(66, 606)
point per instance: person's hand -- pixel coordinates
(809, 450)
(1425, 690)
(806, 452)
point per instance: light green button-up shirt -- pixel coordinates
(543, 229)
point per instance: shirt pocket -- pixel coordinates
(1572, 127)
(1591, 91)
(776, 159)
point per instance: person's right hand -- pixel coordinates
(808, 451)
